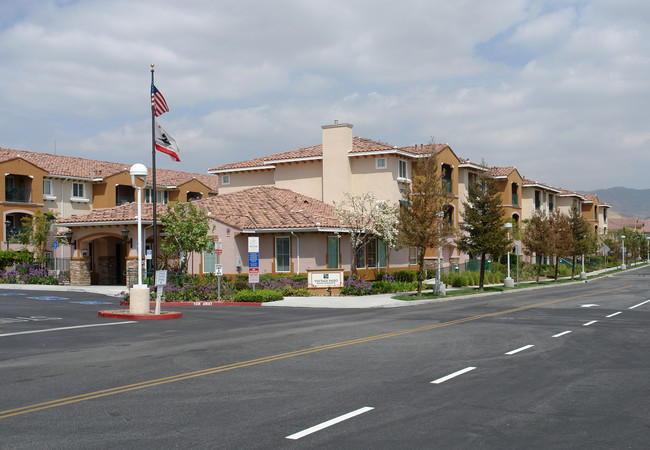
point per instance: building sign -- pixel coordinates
(332, 278)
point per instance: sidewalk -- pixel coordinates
(366, 301)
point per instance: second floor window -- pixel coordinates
(47, 187)
(380, 163)
(402, 169)
(225, 179)
(162, 197)
(78, 190)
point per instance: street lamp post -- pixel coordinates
(7, 225)
(139, 298)
(647, 240)
(508, 282)
(623, 266)
(439, 289)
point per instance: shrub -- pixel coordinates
(260, 295)
(405, 275)
(26, 274)
(356, 286)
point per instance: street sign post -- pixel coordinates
(218, 267)
(161, 280)
(253, 260)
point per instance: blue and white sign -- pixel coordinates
(253, 259)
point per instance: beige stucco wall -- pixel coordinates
(304, 177)
(60, 203)
(245, 179)
(337, 144)
(365, 177)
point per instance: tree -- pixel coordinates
(36, 232)
(484, 233)
(536, 230)
(365, 217)
(187, 231)
(422, 224)
(582, 239)
(560, 238)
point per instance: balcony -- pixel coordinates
(22, 195)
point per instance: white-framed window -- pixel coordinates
(209, 261)
(402, 170)
(282, 254)
(413, 255)
(332, 252)
(78, 190)
(162, 196)
(225, 179)
(47, 187)
(380, 163)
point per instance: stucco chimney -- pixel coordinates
(337, 144)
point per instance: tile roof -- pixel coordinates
(360, 146)
(255, 208)
(75, 167)
(501, 171)
(528, 182)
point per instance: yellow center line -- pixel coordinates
(199, 373)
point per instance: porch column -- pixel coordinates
(80, 271)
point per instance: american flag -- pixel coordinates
(158, 103)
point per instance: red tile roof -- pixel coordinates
(360, 146)
(74, 167)
(249, 209)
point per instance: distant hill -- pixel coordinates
(625, 201)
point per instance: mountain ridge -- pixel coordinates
(627, 202)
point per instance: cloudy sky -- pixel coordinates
(557, 88)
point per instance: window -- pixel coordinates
(360, 256)
(162, 196)
(538, 199)
(380, 163)
(225, 179)
(78, 190)
(447, 182)
(371, 251)
(47, 187)
(413, 256)
(332, 252)
(551, 202)
(282, 256)
(515, 198)
(209, 261)
(596, 213)
(472, 179)
(402, 170)
(605, 214)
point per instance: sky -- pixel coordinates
(557, 88)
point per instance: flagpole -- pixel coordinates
(154, 253)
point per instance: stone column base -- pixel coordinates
(509, 282)
(139, 299)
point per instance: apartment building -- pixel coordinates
(346, 163)
(71, 186)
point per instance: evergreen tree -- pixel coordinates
(483, 230)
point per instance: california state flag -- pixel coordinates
(166, 144)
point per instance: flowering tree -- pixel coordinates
(187, 230)
(365, 218)
(36, 232)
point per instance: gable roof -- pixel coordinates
(360, 147)
(94, 170)
(253, 210)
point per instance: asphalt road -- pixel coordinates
(564, 367)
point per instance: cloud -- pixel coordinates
(553, 87)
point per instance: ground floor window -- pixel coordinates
(413, 256)
(282, 256)
(360, 256)
(209, 261)
(332, 252)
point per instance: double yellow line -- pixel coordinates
(200, 373)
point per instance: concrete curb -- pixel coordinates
(124, 314)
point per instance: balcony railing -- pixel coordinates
(23, 195)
